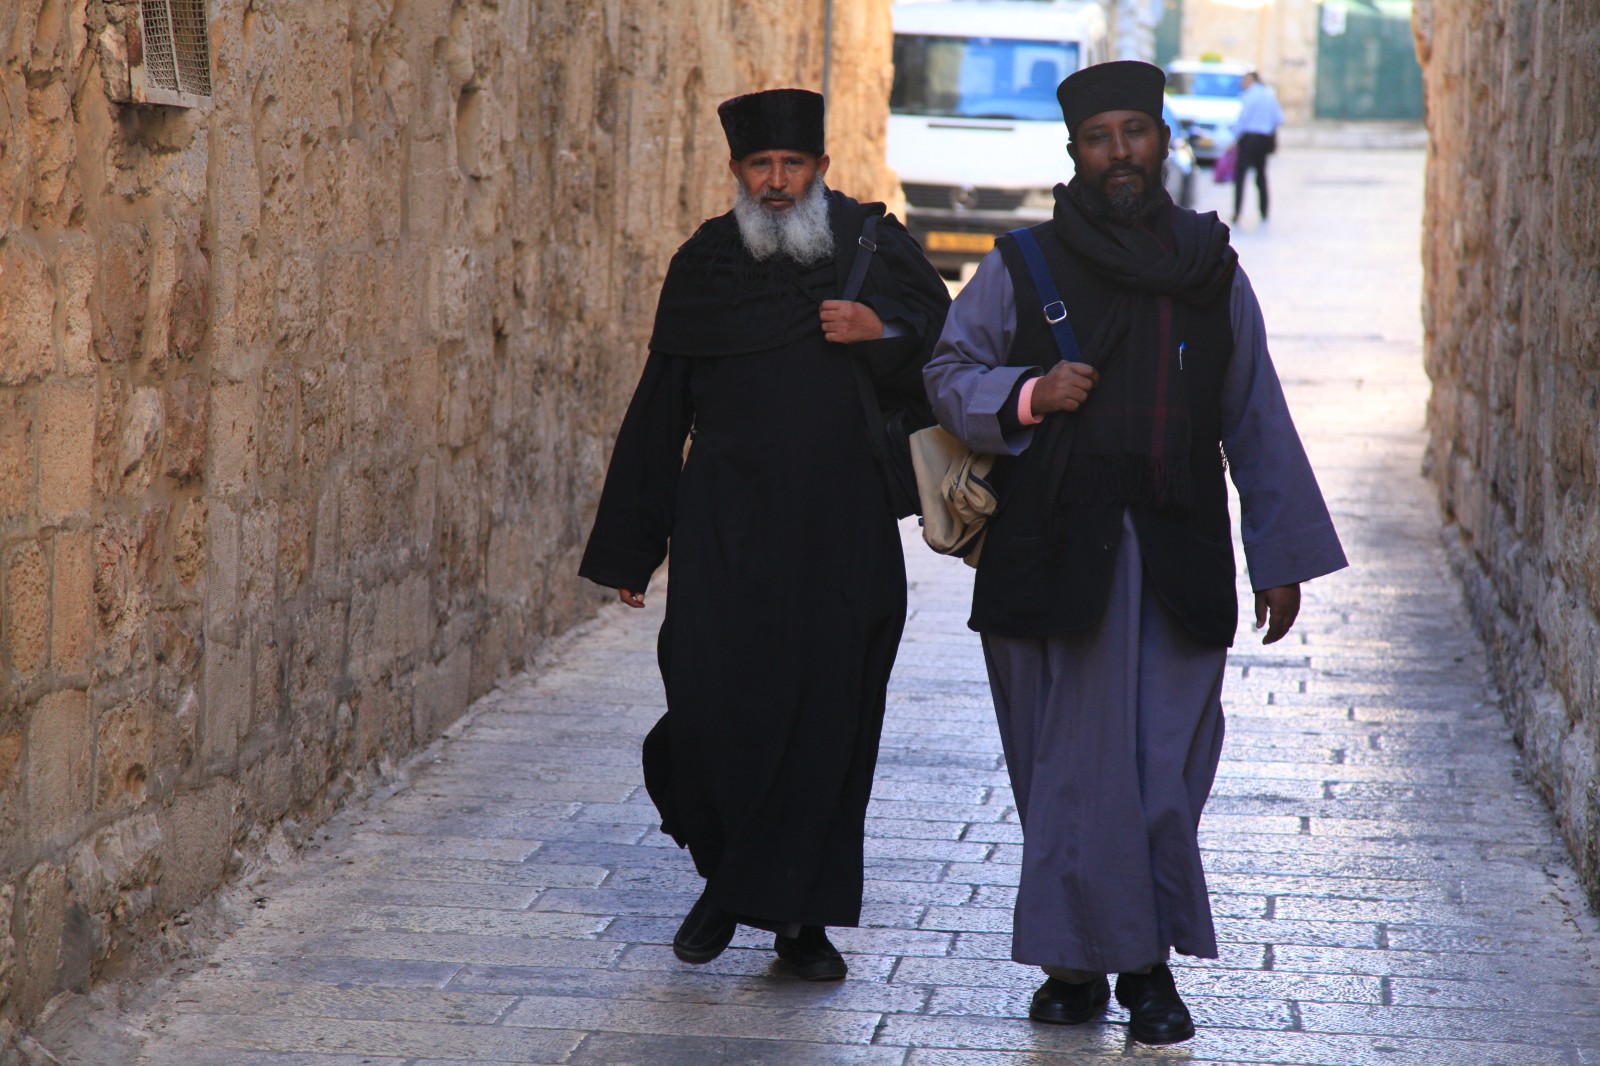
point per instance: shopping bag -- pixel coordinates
(1223, 171)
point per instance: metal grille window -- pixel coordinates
(174, 65)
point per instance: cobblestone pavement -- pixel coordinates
(1387, 888)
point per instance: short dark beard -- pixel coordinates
(1126, 206)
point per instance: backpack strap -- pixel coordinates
(1055, 309)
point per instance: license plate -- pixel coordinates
(960, 242)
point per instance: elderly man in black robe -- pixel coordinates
(1105, 592)
(788, 586)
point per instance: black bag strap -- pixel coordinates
(1055, 309)
(866, 245)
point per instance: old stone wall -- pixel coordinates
(1512, 312)
(305, 397)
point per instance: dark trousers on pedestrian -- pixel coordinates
(1252, 155)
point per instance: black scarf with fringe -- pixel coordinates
(1130, 441)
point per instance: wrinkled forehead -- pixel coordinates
(809, 157)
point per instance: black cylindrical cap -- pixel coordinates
(776, 118)
(1123, 85)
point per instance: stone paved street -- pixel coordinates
(1387, 888)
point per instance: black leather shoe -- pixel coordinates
(1156, 1012)
(704, 934)
(1064, 1003)
(812, 956)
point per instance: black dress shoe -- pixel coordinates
(812, 956)
(1156, 1012)
(1064, 1003)
(704, 934)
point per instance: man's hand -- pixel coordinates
(1280, 605)
(846, 322)
(1064, 388)
(631, 598)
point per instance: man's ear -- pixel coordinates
(1166, 139)
(733, 167)
(1072, 150)
(822, 164)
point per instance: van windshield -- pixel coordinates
(1204, 83)
(979, 77)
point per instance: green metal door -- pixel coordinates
(1169, 31)
(1367, 61)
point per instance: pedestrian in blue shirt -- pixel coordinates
(1256, 134)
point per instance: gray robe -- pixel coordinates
(1112, 737)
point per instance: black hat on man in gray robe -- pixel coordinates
(1123, 85)
(774, 119)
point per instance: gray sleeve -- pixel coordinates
(966, 379)
(1287, 532)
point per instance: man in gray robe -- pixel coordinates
(1105, 592)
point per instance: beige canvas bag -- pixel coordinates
(956, 499)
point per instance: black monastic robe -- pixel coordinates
(788, 585)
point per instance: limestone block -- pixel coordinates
(72, 602)
(56, 194)
(510, 547)
(258, 562)
(66, 448)
(121, 604)
(294, 545)
(8, 943)
(120, 293)
(137, 452)
(226, 701)
(267, 708)
(27, 299)
(111, 48)
(16, 456)
(175, 740)
(321, 428)
(328, 555)
(232, 437)
(236, 194)
(222, 573)
(197, 835)
(110, 869)
(298, 302)
(450, 287)
(13, 801)
(60, 756)
(39, 927)
(242, 315)
(371, 655)
(186, 428)
(27, 608)
(442, 694)
(189, 545)
(123, 749)
(269, 791)
(315, 663)
(75, 267)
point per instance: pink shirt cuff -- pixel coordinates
(1025, 413)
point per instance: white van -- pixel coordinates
(975, 132)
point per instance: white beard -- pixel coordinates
(800, 232)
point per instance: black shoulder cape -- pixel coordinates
(719, 300)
